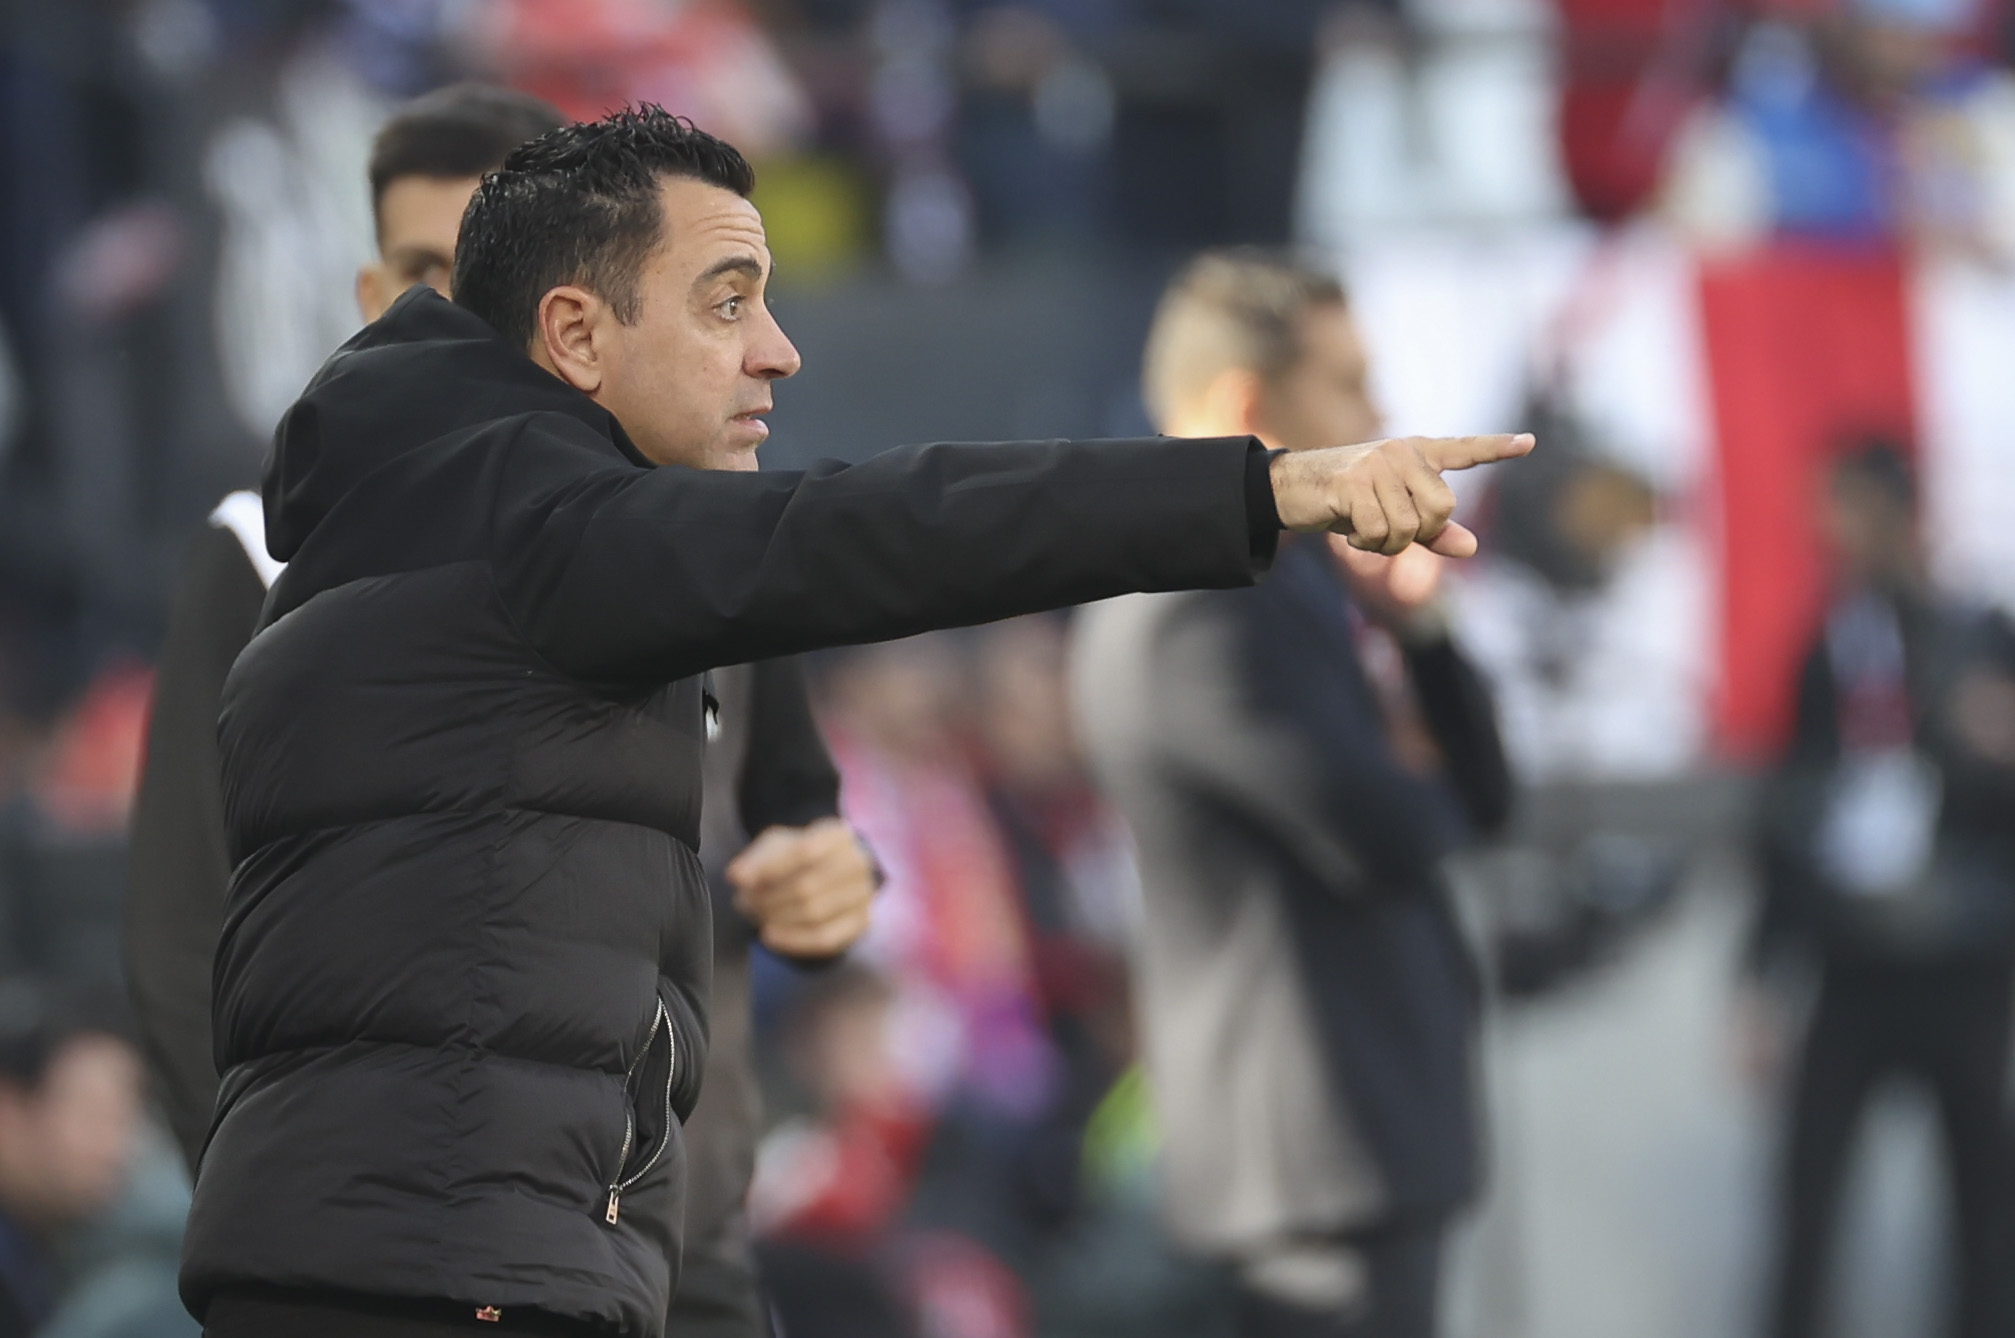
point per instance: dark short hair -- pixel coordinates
(39, 1018)
(580, 205)
(1238, 307)
(463, 130)
(1882, 465)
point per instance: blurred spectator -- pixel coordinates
(948, 1163)
(949, 930)
(832, 1185)
(69, 1133)
(1870, 124)
(1630, 72)
(1072, 858)
(1186, 118)
(844, 1251)
(1889, 867)
(706, 59)
(932, 1083)
(1431, 113)
(1086, 1179)
(63, 838)
(1295, 761)
(115, 392)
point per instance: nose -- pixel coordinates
(772, 356)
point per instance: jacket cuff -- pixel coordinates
(1262, 515)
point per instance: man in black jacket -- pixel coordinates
(1888, 870)
(1295, 760)
(805, 889)
(460, 993)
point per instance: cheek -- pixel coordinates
(1357, 416)
(695, 378)
(724, 371)
(650, 380)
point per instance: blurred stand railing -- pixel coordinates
(1588, 867)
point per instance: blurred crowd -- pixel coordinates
(1746, 266)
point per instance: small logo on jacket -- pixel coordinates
(489, 1314)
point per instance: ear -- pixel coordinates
(1229, 406)
(374, 291)
(569, 339)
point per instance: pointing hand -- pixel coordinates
(1385, 495)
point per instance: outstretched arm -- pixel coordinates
(621, 573)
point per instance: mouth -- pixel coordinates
(752, 419)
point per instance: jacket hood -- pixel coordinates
(422, 370)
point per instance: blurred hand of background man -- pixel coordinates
(1401, 593)
(807, 889)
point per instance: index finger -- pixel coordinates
(1468, 452)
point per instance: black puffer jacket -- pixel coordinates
(460, 994)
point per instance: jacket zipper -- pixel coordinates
(661, 1019)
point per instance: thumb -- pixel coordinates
(1454, 541)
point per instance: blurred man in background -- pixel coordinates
(1889, 866)
(804, 886)
(1295, 761)
(424, 166)
(70, 1110)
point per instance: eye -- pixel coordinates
(731, 308)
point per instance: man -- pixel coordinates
(425, 164)
(805, 887)
(69, 1127)
(1295, 761)
(1888, 866)
(460, 993)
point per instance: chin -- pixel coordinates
(735, 456)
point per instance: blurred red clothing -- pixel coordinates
(705, 59)
(845, 1183)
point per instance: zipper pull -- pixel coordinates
(615, 1197)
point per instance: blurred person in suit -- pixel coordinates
(799, 879)
(1295, 761)
(1888, 871)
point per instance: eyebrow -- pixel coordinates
(733, 265)
(415, 256)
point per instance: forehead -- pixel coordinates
(423, 211)
(705, 224)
